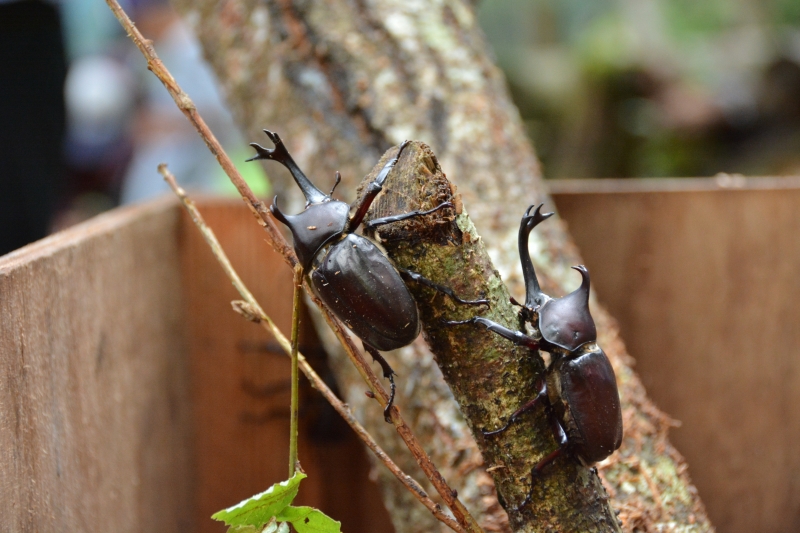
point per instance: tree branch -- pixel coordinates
(490, 377)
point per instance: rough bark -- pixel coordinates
(490, 377)
(342, 81)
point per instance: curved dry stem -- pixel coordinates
(250, 309)
(278, 242)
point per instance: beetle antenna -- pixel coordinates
(338, 179)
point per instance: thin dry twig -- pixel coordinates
(276, 239)
(250, 309)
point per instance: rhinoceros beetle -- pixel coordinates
(578, 389)
(349, 272)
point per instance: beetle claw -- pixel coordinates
(498, 431)
(525, 502)
(387, 411)
(458, 322)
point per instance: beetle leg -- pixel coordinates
(388, 373)
(419, 278)
(517, 337)
(527, 406)
(373, 189)
(405, 216)
(561, 437)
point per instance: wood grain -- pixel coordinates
(93, 390)
(705, 287)
(133, 399)
(111, 417)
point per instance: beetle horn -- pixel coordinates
(566, 322)
(281, 155)
(534, 296)
(583, 290)
(276, 211)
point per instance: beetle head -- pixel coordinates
(566, 322)
(313, 227)
(323, 218)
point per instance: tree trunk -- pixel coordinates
(344, 81)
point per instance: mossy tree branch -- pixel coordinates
(490, 377)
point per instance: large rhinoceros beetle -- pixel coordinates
(349, 272)
(578, 389)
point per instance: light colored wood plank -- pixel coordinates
(240, 393)
(93, 390)
(112, 419)
(705, 286)
(719, 182)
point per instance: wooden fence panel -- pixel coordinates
(93, 390)
(705, 284)
(133, 399)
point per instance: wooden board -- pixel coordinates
(93, 390)
(240, 393)
(705, 284)
(133, 399)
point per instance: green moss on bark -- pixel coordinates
(489, 376)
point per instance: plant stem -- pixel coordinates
(276, 239)
(294, 409)
(250, 309)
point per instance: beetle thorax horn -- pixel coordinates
(566, 322)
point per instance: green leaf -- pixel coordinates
(309, 520)
(259, 509)
(272, 527)
(243, 529)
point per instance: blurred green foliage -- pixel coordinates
(619, 88)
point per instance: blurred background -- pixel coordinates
(654, 88)
(609, 88)
(83, 124)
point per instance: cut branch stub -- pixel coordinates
(489, 376)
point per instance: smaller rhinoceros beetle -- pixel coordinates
(349, 272)
(578, 389)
